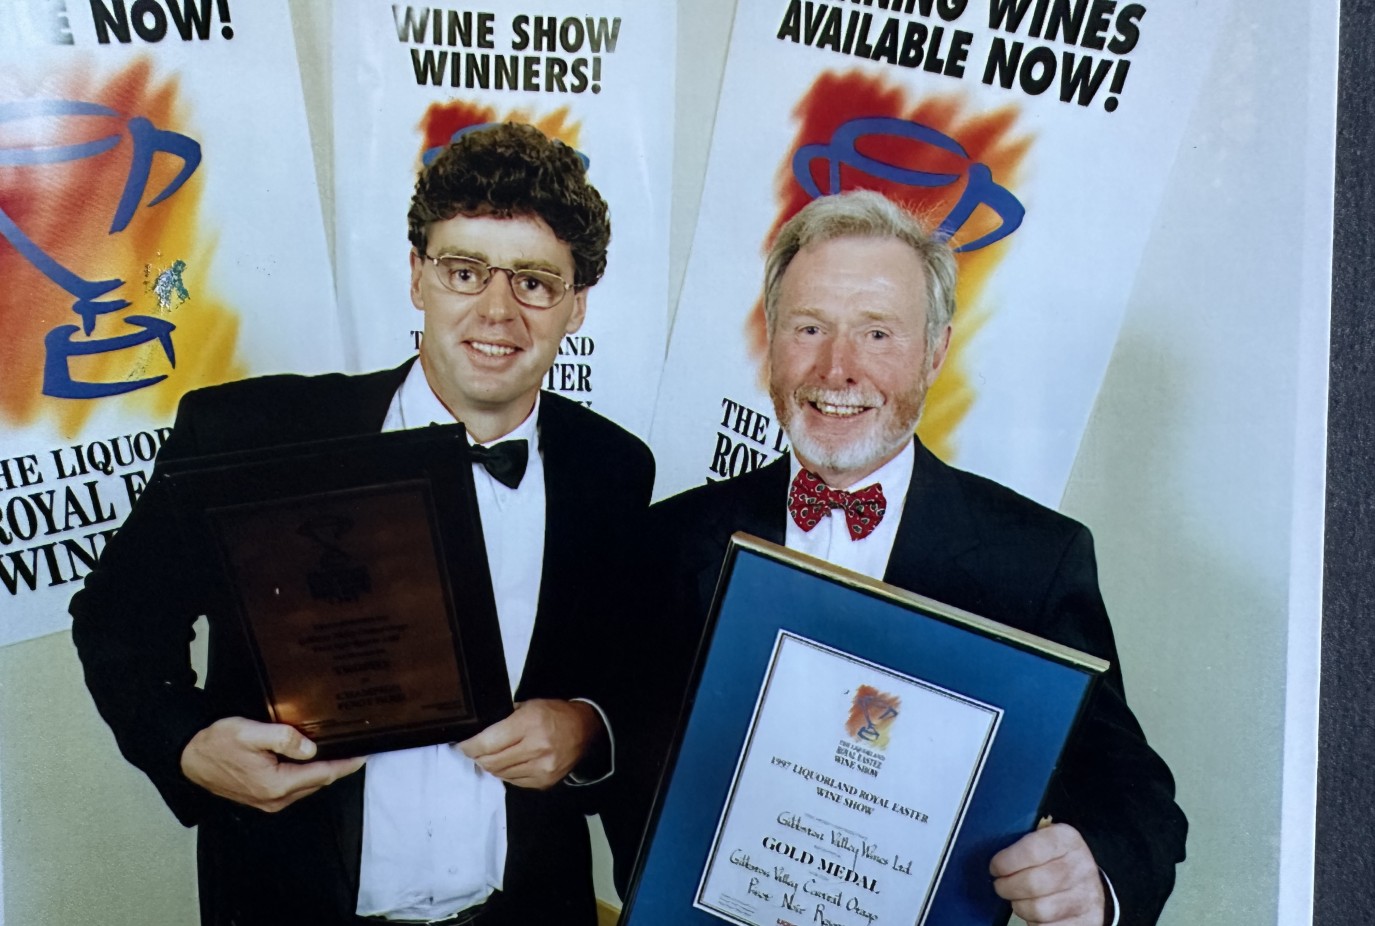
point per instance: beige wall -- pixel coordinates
(86, 838)
(1184, 475)
(1186, 472)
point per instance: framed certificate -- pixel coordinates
(852, 754)
(357, 570)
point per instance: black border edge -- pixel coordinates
(1344, 876)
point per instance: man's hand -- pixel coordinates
(538, 745)
(1051, 878)
(241, 760)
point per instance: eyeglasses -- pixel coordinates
(538, 289)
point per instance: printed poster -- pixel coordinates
(160, 230)
(1036, 136)
(598, 76)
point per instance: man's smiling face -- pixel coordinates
(486, 354)
(849, 364)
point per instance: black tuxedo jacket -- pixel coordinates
(968, 542)
(133, 620)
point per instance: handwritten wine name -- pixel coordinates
(821, 889)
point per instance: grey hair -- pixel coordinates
(864, 214)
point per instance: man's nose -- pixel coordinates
(498, 302)
(836, 361)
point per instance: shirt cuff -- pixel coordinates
(1113, 907)
(587, 776)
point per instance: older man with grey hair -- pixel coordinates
(859, 299)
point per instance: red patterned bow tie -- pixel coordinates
(810, 500)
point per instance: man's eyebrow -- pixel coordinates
(531, 264)
(817, 315)
(879, 315)
(462, 252)
(547, 266)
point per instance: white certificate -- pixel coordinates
(849, 792)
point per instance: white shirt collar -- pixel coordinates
(416, 405)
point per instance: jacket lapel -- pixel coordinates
(754, 503)
(935, 533)
(761, 505)
(567, 487)
(372, 396)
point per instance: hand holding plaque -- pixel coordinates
(358, 573)
(539, 744)
(1050, 876)
(241, 760)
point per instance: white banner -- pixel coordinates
(597, 75)
(1037, 135)
(160, 230)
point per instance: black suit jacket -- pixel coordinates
(968, 542)
(133, 620)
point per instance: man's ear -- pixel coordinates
(939, 350)
(579, 314)
(766, 369)
(417, 267)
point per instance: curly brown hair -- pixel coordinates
(514, 169)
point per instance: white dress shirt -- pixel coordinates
(434, 823)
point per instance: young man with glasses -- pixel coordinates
(508, 237)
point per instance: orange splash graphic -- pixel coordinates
(871, 716)
(162, 256)
(442, 120)
(989, 138)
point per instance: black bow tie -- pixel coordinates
(505, 461)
